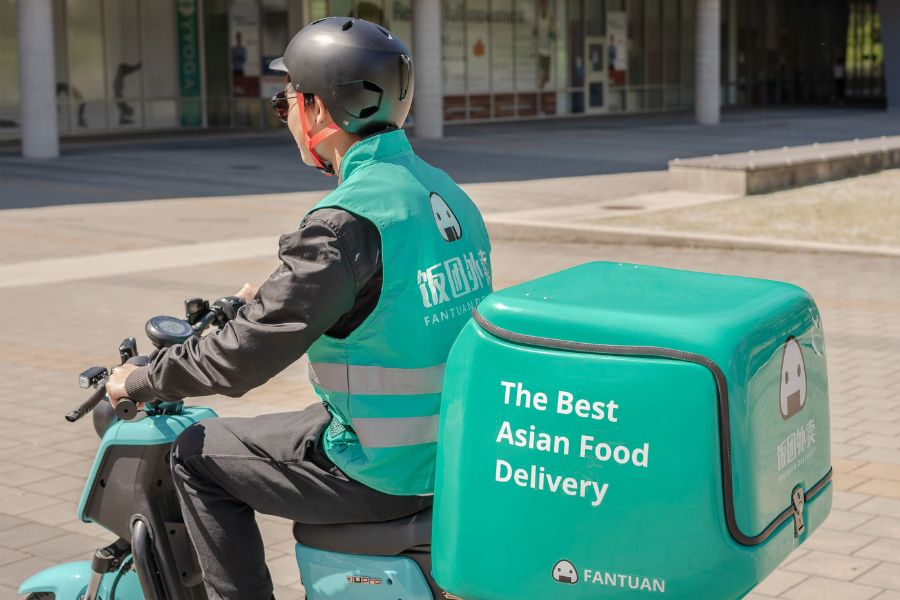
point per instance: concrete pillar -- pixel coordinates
(890, 38)
(37, 80)
(708, 59)
(428, 96)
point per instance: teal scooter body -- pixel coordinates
(155, 430)
(69, 581)
(621, 431)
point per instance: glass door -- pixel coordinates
(596, 73)
(595, 56)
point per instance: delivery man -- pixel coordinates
(373, 288)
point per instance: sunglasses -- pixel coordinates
(281, 104)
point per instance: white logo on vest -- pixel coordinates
(444, 218)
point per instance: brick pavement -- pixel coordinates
(54, 330)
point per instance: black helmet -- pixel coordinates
(360, 70)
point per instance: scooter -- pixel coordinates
(722, 380)
(130, 492)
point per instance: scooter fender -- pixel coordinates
(69, 581)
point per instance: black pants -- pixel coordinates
(225, 469)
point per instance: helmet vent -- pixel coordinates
(385, 32)
(347, 25)
(317, 21)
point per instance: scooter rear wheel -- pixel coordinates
(41, 596)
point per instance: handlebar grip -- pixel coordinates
(126, 409)
(205, 321)
(89, 404)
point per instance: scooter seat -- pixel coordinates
(385, 538)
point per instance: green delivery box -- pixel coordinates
(623, 431)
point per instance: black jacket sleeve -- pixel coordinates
(324, 266)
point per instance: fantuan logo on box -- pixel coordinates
(565, 572)
(792, 398)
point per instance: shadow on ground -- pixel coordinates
(220, 164)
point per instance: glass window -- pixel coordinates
(218, 63)
(478, 48)
(526, 46)
(340, 8)
(576, 45)
(275, 23)
(159, 46)
(400, 21)
(87, 84)
(503, 76)
(653, 31)
(9, 67)
(635, 100)
(615, 101)
(687, 42)
(546, 44)
(371, 10)
(594, 17)
(275, 35)
(123, 63)
(561, 59)
(318, 9)
(576, 102)
(454, 59)
(617, 47)
(671, 34)
(635, 42)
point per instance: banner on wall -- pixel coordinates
(188, 63)
(617, 38)
(243, 21)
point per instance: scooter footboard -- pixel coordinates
(329, 575)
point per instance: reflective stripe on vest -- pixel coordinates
(392, 433)
(376, 381)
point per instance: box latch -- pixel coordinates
(797, 500)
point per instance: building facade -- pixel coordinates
(125, 65)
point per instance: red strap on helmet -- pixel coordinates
(315, 140)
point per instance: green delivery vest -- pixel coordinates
(383, 382)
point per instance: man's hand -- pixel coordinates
(115, 386)
(247, 293)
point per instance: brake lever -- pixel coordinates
(89, 404)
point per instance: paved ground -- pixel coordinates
(221, 165)
(861, 210)
(65, 315)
